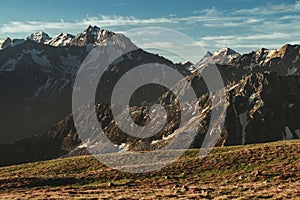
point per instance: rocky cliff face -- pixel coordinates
(36, 77)
(93, 36)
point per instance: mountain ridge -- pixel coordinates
(94, 34)
(262, 89)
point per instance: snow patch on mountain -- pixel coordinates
(243, 118)
(9, 66)
(288, 134)
(165, 138)
(298, 133)
(42, 88)
(296, 59)
(62, 39)
(39, 58)
(271, 54)
(123, 147)
(71, 63)
(291, 71)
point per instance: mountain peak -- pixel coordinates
(286, 48)
(208, 54)
(62, 39)
(91, 35)
(39, 37)
(225, 52)
(92, 31)
(5, 42)
(91, 28)
(225, 56)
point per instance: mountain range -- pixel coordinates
(37, 75)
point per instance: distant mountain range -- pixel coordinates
(92, 35)
(37, 74)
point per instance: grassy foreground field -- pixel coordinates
(245, 172)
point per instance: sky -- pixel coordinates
(243, 25)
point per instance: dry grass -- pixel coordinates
(244, 172)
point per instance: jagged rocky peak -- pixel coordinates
(262, 52)
(5, 42)
(91, 35)
(62, 39)
(225, 56)
(225, 52)
(208, 54)
(202, 61)
(104, 34)
(257, 56)
(91, 31)
(39, 37)
(206, 59)
(287, 50)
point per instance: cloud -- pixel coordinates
(279, 26)
(247, 38)
(233, 24)
(256, 31)
(287, 17)
(270, 9)
(107, 21)
(208, 12)
(206, 16)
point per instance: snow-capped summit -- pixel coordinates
(225, 56)
(39, 37)
(62, 39)
(92, 35)
(5, 42)
(225, 51)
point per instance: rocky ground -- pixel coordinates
(260, 171)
